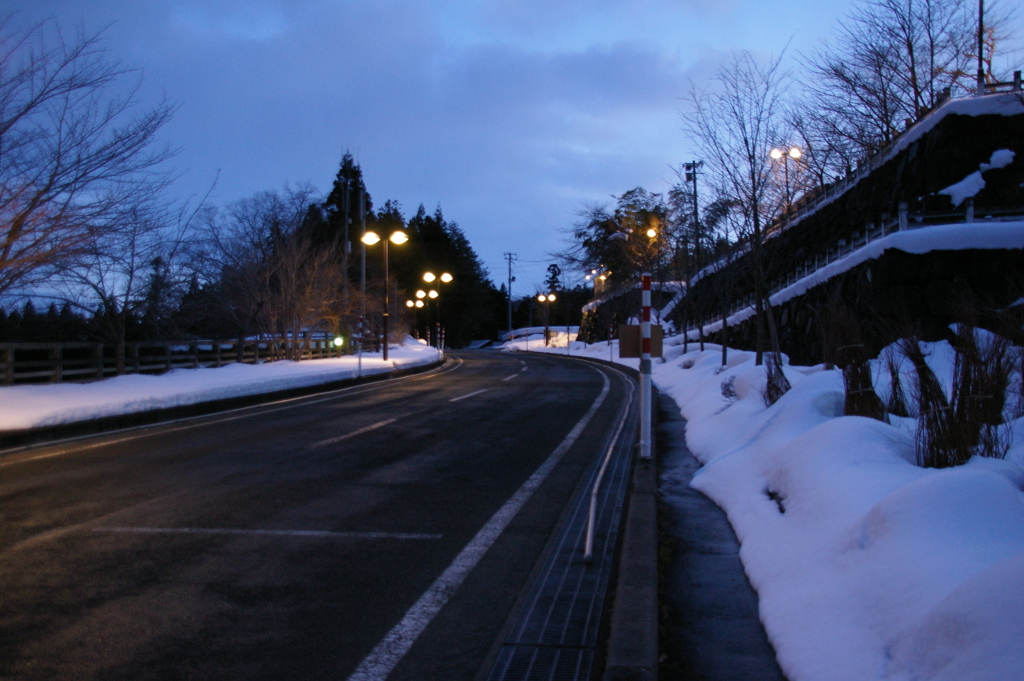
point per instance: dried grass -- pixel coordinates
(897, 404)
(971, 422)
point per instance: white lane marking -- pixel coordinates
(62, 452)
(354, 433)
(456, 399)
(138, 432)
(509, 378)
(273, 533)
(392, 648)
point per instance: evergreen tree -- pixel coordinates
(554, 280)
(341, 208)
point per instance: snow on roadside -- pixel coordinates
(32, 406)
(866, 565)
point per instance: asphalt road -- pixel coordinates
(369, 532)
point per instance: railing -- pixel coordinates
(1006, 86)
(840, 248)
(61, 362)
(815, 199)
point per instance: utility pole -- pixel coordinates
(362, 283)
(690, 175)
(981, 48)
(510, 257)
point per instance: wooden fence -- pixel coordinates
(60, 362)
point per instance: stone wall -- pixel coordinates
(897, 294)
(898, 289)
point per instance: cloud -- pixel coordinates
(439, 103)
(255, 20)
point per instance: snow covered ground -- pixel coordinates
(31, 406)
(866, 565)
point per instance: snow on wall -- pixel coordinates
(974, 183)
(958, 237)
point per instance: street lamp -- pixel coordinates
(786, 154)
(443, 278)
(398, 238)
(414, 306)
(430, 277)
(547, 300)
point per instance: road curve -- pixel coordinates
(380, 531)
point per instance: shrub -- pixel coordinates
(951, 431)
(897, 404)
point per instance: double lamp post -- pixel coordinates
(397, 237)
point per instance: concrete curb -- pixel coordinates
(632, 653)
(36, 436)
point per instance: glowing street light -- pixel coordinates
(397, 237)
(547, 300)
(786, 154)
(430, 278)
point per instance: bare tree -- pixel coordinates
(276, 276)
(735, 123)
(139, 258)
(71, 154)
(891, 62)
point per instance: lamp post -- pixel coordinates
(653, 254)
(397, 237)
(443, 278)
(547, 300)
(786, 154)
(414, 306)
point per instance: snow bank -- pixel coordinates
(866, 566)
(32, 406)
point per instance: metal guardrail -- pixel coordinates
(22, 363)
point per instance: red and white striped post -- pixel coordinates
(645, 369)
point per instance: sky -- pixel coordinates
(509, 114)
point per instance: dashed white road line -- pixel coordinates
(392, 648)
(456, 399)
(509, 378)
(354, 433)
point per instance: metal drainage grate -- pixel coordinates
(554, 636)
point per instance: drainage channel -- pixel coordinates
(555, 634)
